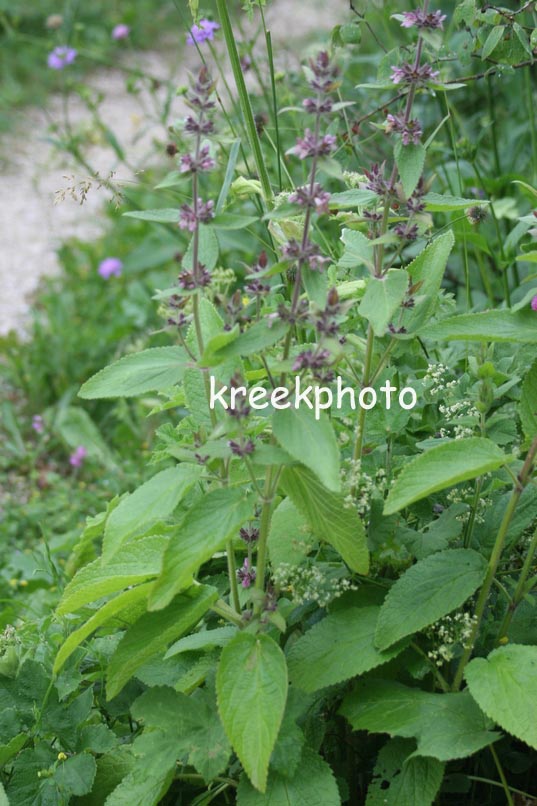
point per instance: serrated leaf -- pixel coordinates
(231, 221)
(206, 639)
(153, 370)
(208, 250)
(492, 326)
(352, 198)
(339, 647)
(410, 160)
(427, 271)
(329, 517)
(153, 501)
(382, 298)
(290, 537)
(444, 203)
(153, 632)
(258, 337)
(427, 591)
(358, 250)
(135, 562)
(446, 726)
(206, 528)
(313, 784)
(493, 39)
(527, 408)
(504, 684)
(310, 441)
(164, 215)
(251, 685)
(441, 467)
(400, 779)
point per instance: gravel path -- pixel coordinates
(32, 226)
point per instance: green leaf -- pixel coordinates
(313, 784)
(329, 517)
(165, 215)
(155, 500)
(339, 647)
(400, 779)
(492, 40)
(358, 250)
(206, 639)
(443, 203)
(527, 408)
(427, 591)
(258, 337)
(352, 198)
(75, 775)
(410, 160)
(3, 797)
(130, 601)
(207, 526)
(208, 249)
(446, 726)
(290, 539)
(251, 686)
(493, 326)
(441, 467)
(137, 561)
(153, 632)
(310, 441)
(230, 221)
(504, 684)
(427, 271)
(76, 427)
(153, 370)
(383, 297)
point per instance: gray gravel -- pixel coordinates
(32, 225)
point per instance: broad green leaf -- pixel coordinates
(216, 343)
(251, 686)
(383, 297)
(337, 648)
(206, 528)
(528, 403)
(519, 327)
(443, 203)
(3, 797)
(446, 726)
(208, 249)
(137, 561)
(231, 221)
(504, 684)
(258, 337)
(206, 639)
(441, 467)
(152, 370)
(76, 427)
(290, 538)
(165, 215)
(358, 250)
(492, 40)
(313, 784)
(153, 632)
(112, 768)
(352, 198)
(311, 442)
(131, 601)
(427, 271)
(428, 590)
(155, 500)
(330, 518)
(150, 775)
(401, 779)
(230, 170)
(410, 160)
(11, 748)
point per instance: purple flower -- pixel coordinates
(410, 130)
(120, 31)
(38, 424)
(203, 162)
(200, 33)
(246, 575)
(316, 106)
(241, 448)
(423, 19)
(110, 266)
(316, 198)
(408, 231)
(311, 360)
(377, 183)
(250, 534)
(77, 457)
(189, 218)
(311, 146)
(60, 57)
(410, 74)
(308, 254)
(534, 304)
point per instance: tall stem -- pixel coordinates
(520, 590)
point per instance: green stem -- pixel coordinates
(522, 481)
(501, 773)
(223, 610)
(244, 99)
(264, 526)
(520, 590)
(232, 574)
(357, 453)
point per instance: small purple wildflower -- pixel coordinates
(376, 181)
(189, 218)
(110, 267)
(308, 254)
(246, 575)
(241, 448)
(77, 457)
(202, 32)
(250, 534)
(120, 31)
(311, 146)
(61, 57)
(410, 130)
(38, 423)
(316, 198)
(204, 162)
(310, 360)
(534, 304)
(410, 74)
(408, 231)
(423, 19)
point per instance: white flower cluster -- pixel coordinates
(447, 633)
(359, 486)
(311, 583)
(436, 379)
(465, 495)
